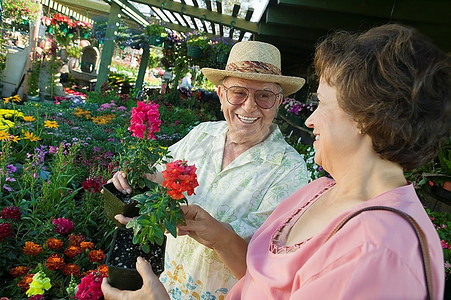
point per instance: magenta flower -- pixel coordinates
(5, 231)
(63, 226)
(145, 120)
(11, 212)
(89, 288)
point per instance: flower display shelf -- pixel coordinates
(194, 52)
(121, 260)
(117, 203)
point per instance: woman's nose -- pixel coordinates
(309, 120)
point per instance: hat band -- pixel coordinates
(253, 66)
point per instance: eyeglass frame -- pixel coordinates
(248, 93)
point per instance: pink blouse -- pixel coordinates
(374, 256)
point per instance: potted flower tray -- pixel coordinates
(121, 260)
(117, 203)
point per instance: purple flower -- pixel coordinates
(7, 188)
(11, 168)
(63, 226)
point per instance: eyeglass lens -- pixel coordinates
(237, 95)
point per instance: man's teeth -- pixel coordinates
(246, 119)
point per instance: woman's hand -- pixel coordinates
(152, 288)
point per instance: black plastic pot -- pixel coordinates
(121, 260)
(117, 203)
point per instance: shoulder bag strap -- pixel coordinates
(418, 231)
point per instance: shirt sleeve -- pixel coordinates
(366, 272)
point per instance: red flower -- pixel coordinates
(19, 271)
(75, 239)
(71, 269)
(96, 256)
(37, 297)
(145, 120)
(179, 178)
(5, 231)
(55, 244)
(31, 248)
(11, 212)
(92, 185)
(63, 226)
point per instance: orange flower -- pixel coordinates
(25, 282)
(103, 269)
(96, 256)
(32, 249)
(86, 245)
(71, 269)
(179, 178)
(54, 243)
(72, 251)
(54, 262)
(19, 271)
(28, 118)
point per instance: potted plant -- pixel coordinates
(159, 210)
(221, 48)
(159, 206)
(140, 154)
(196, 43)
(155, 33)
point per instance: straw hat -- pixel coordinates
(255, 61)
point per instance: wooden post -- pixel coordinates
(108, 46)
(142, 67)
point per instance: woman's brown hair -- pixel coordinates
(396, 85)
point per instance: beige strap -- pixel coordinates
(418, 231)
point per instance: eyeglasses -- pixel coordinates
(237, 95)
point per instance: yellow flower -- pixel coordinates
(15, 138)
(30, 136)
(50, 124)
(28, 118)
(6, 100)
(16, 98)
(4, 136)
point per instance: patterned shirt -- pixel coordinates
(243, 194)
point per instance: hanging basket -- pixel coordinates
(194, 51)
(155, 40)
(222, 58)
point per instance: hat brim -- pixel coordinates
(289, 84)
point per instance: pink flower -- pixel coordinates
(63, 226)
(145, 120)
(5, 231)
(11, 212)
(89, 288)
(445, 245)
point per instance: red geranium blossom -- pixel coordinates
(63, 226)
(54, 262)
(11, 212)
(179, 178)
(5, 231)
(145, 120)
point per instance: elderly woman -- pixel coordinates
(244, 166)
(384, 109)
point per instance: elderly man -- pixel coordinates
(244, 167)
